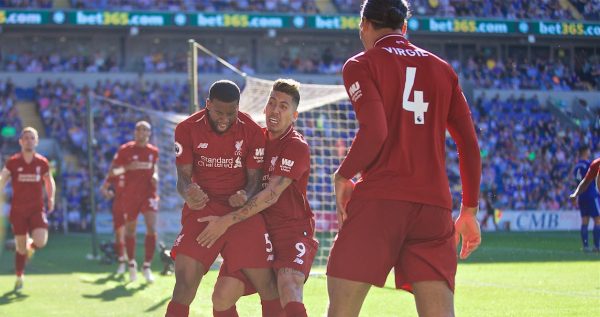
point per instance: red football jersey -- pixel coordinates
(27, 182)
(406, 97)
(141, 161)
(219, 160)
(289, 156)
(593, 170)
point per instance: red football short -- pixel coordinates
(293, 248)
(244, 245)
(22, 223)
(416, 240)
(132, 206)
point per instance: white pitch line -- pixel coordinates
(529, 289)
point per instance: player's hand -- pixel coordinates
(343, 191)
(214, 230)
(50, 205)
(195, 197)
(108, 194)
(467, 227)
(573, 198)
(238, 199)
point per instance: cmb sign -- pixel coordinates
(540, 220)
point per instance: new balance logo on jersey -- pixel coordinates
(20, 169)
(354, 91)
(286, 165)
(202, 145)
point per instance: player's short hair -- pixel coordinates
(583, 149)
(224, 90)
(144, 123)
(385, 13)
(31, 130)
(289, 87)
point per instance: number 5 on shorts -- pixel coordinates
(268, 243)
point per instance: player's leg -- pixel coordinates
(188, 274)
(596, 234)
(40, 238)
(149, 244)
(130, 231)
(290, 284)
(345, 296)
(585, 221)
(228, 290)
(433, 298)
(20, 259)
(120, 249)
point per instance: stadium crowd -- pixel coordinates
(527, 152)
(201, 5)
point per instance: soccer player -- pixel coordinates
(290, 221)
(137, 161)
(399, 213)
(29, 172)
(219, 156)
(587, 198)
(112, 188)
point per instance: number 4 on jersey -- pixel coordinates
(418, 106)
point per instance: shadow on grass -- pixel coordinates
(112, 277)
(119, 291)
(157, 305)
(12, 297)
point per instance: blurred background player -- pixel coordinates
(219, 156)
(587, 198)
(137, 160)
(112, 188)
(29, 172)
(400, 213)
(289, 218)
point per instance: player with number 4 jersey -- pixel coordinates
(398, 215)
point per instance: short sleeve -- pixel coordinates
(256, 150)
(360, 86)
(45, 166)
(293, 161)
(184, 149)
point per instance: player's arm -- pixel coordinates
(50, 186)
(253, 184)
(4, 177)
(263, 200)
(373, 130)
(155, 177)
(461, 128)
(191, 192)
(586, 181)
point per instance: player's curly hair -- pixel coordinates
(224, 90)
(385, 13)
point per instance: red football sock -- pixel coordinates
(231, 312)
(119, 249)
(295, 309)
(130, 246)
(272, 308)
(20, 260)
(149, 246)
(176, 309)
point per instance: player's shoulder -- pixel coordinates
(15, 157)
(297, 141)
(127, 145)
(596, 162)
(152, 147)
(40, 157)
(193, 118)
(249, 123)
(356, 60)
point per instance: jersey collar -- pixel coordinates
(387, 37)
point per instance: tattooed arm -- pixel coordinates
(254, 180)
(264, 199)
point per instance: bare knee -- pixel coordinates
(290, 284)
(434, 299)
(188, 274)
(264, 282)
(226, 293)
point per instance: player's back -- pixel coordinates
(420, 93)
(581, 168)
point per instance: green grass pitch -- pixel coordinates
(512, 274)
